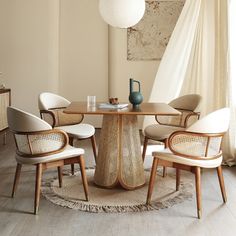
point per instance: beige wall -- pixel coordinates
(59, 46)
(28, 49)
(83, 53)
(120, 69)
(63, 46)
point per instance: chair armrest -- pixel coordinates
(169, 120)
(191, 118)
(40, 143)
(184, 120)
(56, 117)
(48, 116)
(195, 145)
(68, 119)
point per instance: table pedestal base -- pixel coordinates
(119, 159)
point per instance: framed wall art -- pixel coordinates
(148, 39)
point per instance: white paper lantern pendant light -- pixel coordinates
(122, 13)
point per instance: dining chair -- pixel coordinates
(199, 146)
(51, 108)
(40, 145)
(168, 124)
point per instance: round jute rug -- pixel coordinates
(116, 200)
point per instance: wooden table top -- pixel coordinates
(144, 109)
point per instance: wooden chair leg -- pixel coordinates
(16, 179)
(164, 173)
(5, 138)
(83, 175)
(145, 142)
(38, 180)
(198, 191)
(94, 146)
(164, 168)
(222, 185)
(59, 170)
(72, 169)
(177, 179)
(152, 179)
(71, 141)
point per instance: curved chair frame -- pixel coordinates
(40, 133)
(186, 120)
(207, 136)
(183, 120)
(52, 114)
(50, 108)
(180, 105)
(194, 153)
(30, 139)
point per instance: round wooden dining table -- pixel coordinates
(119, 159)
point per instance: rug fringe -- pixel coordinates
(87, 207)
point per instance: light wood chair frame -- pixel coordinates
(5, 130)
(40, 167)
(71, 139)
(196, 170)
(165, 141)
(186, 119)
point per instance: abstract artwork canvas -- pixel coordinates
(148, 39)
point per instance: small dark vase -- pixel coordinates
(135, 97)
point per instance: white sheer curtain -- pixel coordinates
(197, 60)
(174, 63)
(230, 139)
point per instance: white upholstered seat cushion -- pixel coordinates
(79, 131)
(160, 132)
(167, 155)
(65, 154)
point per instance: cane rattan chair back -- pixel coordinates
(40, 145)
(51, 108)
(34, 136)
(186, 105)
(199, 146)
(205, 136)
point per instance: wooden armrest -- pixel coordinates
(169, 120)
(41, 143)
(184, 120)
(68, 119)
(190, 116)
(59, 118)
(195, 145)
(52, 115)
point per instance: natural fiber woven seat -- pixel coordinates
(199, 146)
(40, 145)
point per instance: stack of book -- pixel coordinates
(111, 106)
